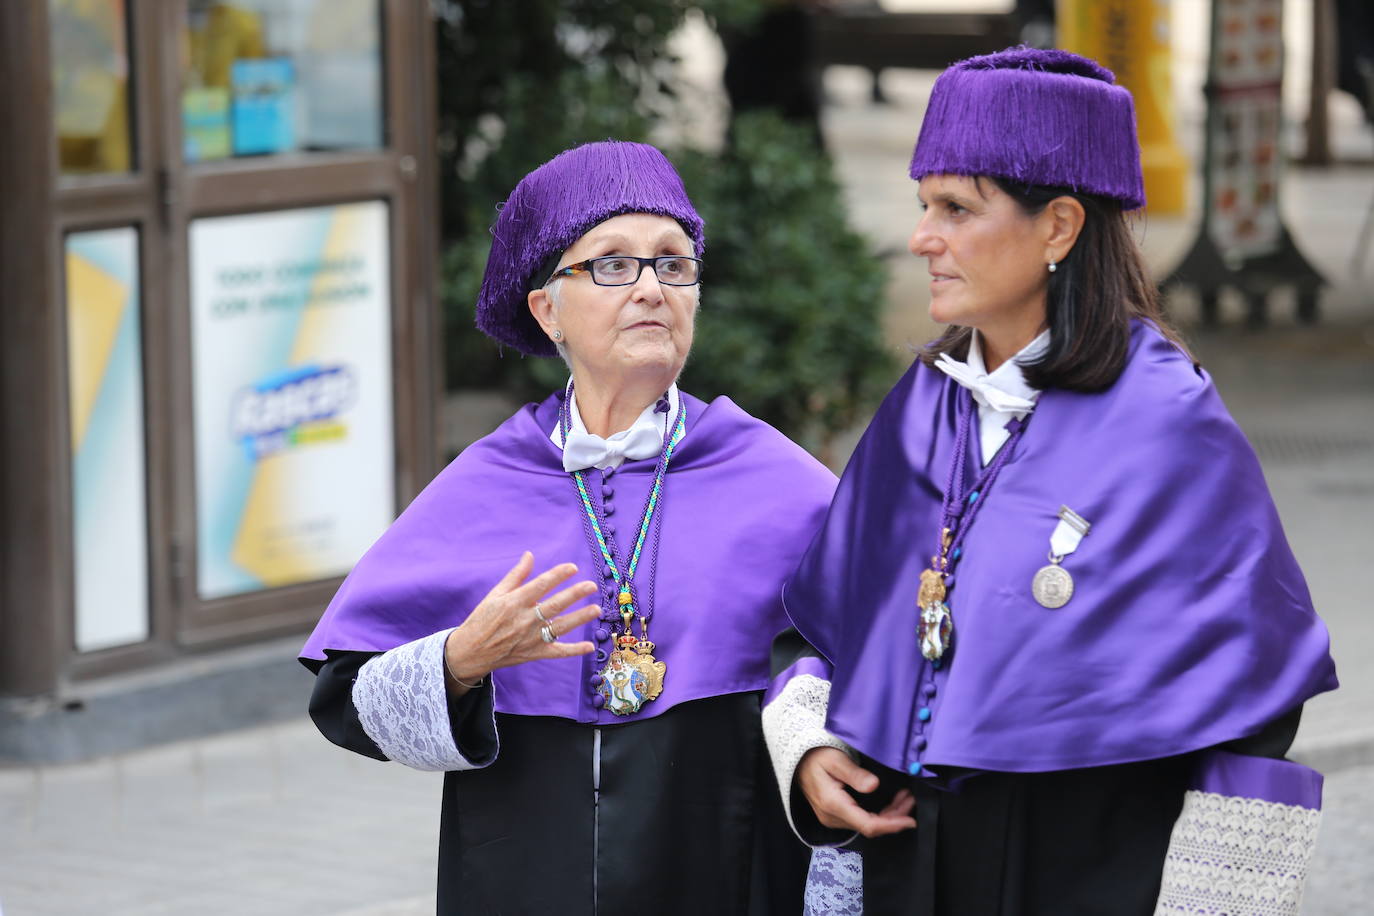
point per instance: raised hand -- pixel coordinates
(504, 630)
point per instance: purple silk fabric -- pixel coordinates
(740, 503)
(1281, 781)
(1190, 622)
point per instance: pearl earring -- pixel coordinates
(558, 335)
(1053, 266)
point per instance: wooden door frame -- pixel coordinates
(161, 197)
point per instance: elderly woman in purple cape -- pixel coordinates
(1051, 636)
(600, 738)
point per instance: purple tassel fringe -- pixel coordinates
(1035, 117)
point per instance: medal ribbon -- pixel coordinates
(593, 525)
(1067, 534)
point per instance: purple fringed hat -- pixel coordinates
(554, 206)
(1035, 117)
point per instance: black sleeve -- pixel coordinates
(332, 709)
(790, 647)
(1273, 740)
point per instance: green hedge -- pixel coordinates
(791, 305)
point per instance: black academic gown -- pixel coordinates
(673, 814)
(1085, 842)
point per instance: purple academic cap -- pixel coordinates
(554, 206)
(1035, 117)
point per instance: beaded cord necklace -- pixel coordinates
(631, 676)
(958, 508)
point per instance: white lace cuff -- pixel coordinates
(794, 723)
(1230, 854)
(403, 706)
(834, 883)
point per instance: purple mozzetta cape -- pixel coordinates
(740, 503)
(1190, 623)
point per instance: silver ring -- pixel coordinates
(546, 633)
(540, 614)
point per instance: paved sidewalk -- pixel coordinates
(271, 820)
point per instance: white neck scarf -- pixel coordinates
(1001, 394)
(643, 439)
(1004, 389)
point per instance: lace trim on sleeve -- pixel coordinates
(835, 883)
(793, 724)
(1237, 855)
(403, 706)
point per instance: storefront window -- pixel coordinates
(291, 368)
(105, 393)
(90, 72)
(265, 77)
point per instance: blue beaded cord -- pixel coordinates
(593, 524)
(959, 506)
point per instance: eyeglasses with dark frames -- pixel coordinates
(625, 270)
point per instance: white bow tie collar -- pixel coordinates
(588, 450)
(644, 438)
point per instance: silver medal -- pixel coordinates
(1052, 586)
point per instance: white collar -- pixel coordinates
(1005, 388)
(649, 419)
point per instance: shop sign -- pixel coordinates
(291, 363)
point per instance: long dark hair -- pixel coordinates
(1097, 289)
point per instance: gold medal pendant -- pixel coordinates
(632, 676)
(935, 624)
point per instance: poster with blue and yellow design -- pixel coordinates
(105, 419)
(291, 368)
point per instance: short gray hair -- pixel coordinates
(554, 289)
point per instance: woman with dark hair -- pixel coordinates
(1051, 634)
